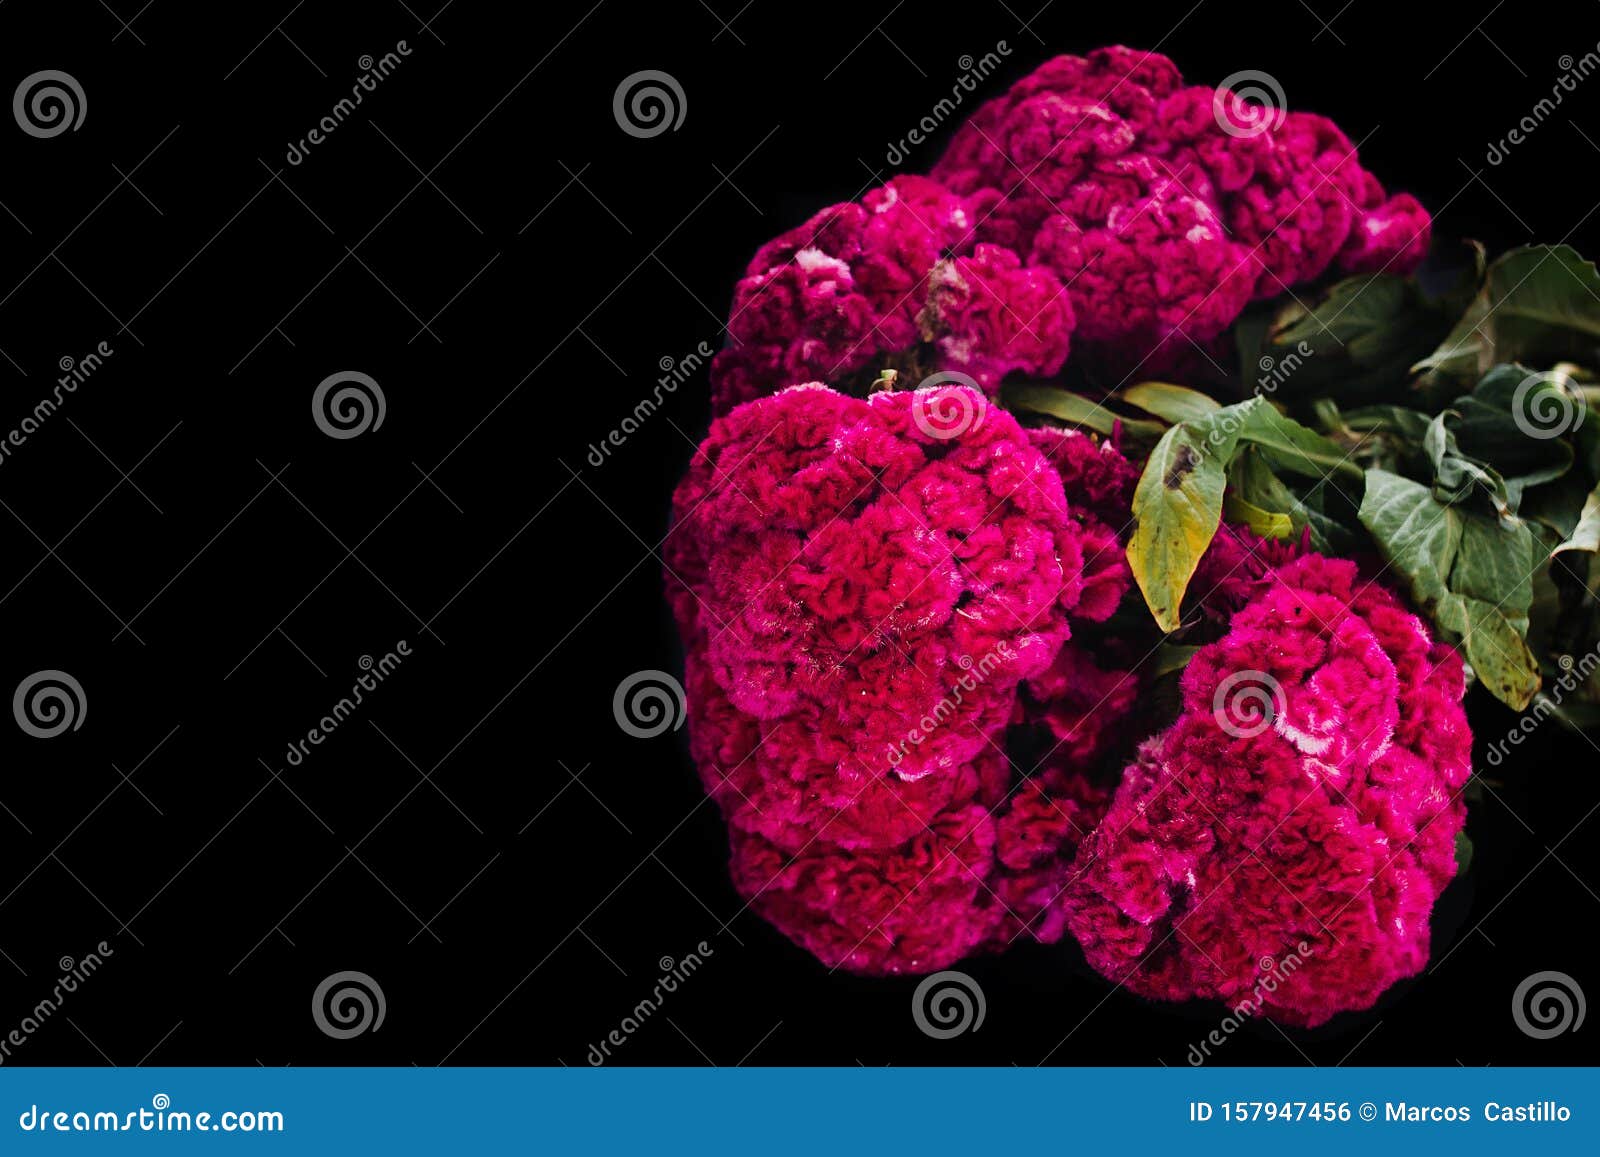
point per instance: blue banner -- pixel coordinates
(799, 1111)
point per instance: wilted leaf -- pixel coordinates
(1177, 506)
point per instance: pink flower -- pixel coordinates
(846, 559)
(989, 316)
(1298, 820)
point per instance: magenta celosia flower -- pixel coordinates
(1304, 806)
(1160, 208)
(850, 560)
(989, 315)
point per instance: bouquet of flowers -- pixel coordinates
(1098, 535)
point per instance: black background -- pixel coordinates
(511, 267)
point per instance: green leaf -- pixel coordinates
(1493, 425)
(1177, 506)
(1418, 536)
(1170, 657)
(1173, 403)
(1499, 655)
(1266, 523)
(1455, 474)
(1463, 852)
(1472, 573)
(1585, 533)
(1494, 564)
(1074, 409)
(1290, 446)
(1398, 421)
(1356, 343)
(1252, 480)
(1539, 303)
